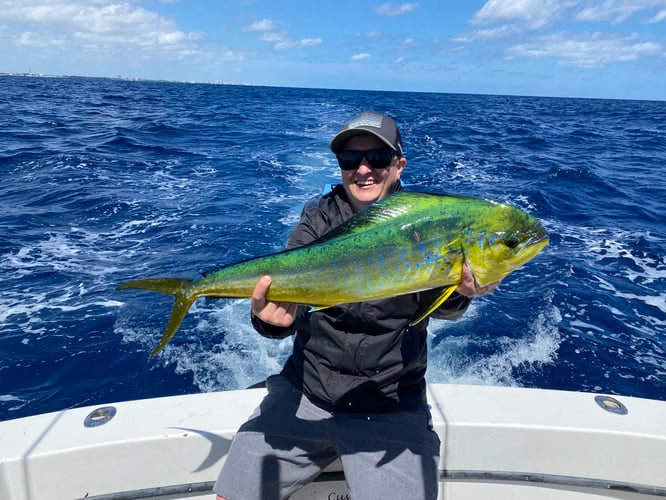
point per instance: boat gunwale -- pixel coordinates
(195, 489)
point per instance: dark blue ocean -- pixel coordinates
(105, 181)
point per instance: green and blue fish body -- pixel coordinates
(406, 243)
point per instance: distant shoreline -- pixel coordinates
(118, 77)
(195, 82)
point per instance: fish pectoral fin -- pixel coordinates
(314, 308)
(439, 300)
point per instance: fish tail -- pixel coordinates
(179, 288)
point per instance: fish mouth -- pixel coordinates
(539, 238)
(535, 235)
(533, 245)
(541, 243)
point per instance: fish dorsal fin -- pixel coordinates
(439, 300)
(376, 214)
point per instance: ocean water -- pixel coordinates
(105, 181)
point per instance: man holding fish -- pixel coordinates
(364, 269)
(354, 387)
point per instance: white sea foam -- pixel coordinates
(222, 351)
(218, 347)
(13, 403)
(455, 359)
(619, 270)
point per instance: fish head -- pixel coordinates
(499, 240)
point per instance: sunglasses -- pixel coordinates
(376, 158)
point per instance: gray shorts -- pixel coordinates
(288, 441)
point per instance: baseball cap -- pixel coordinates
(368, 123)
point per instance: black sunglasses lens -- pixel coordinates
(349, 160)
(377, 158)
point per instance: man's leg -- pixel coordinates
(282, 447)
(390, 455)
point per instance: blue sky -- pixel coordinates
(581, 48)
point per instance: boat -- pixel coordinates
(498, 443)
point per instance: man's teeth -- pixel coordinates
(367, 182)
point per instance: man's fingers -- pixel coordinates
(279, 313)
(259, 294)
(275, 313)
(261, 288)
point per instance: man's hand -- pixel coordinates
(469, 288)
(274, 313)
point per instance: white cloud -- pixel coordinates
(533, 14)
(292, 44)
(37, 40)
(488, 34)
(230, 55)
(388, 9)
(519, 19)
(407, 43)
(273, 37)
(586, 51)
(263, 25)
(661, 16)
(617, 11)
(56, 23)
(282, 41)
(360, 57)
(310, 42)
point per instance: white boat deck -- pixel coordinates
(497, 443)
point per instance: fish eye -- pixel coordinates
(511, 242)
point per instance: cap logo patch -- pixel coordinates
(366, 120)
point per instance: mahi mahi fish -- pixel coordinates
(405, 243)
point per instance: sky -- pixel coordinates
(563, 48)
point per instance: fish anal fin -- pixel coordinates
(439, 300)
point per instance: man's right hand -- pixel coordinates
(273, 313)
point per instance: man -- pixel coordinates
(354, 387)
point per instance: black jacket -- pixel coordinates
(359, 357)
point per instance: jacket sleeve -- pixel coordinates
(270, 331)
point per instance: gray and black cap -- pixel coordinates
(368, 123)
